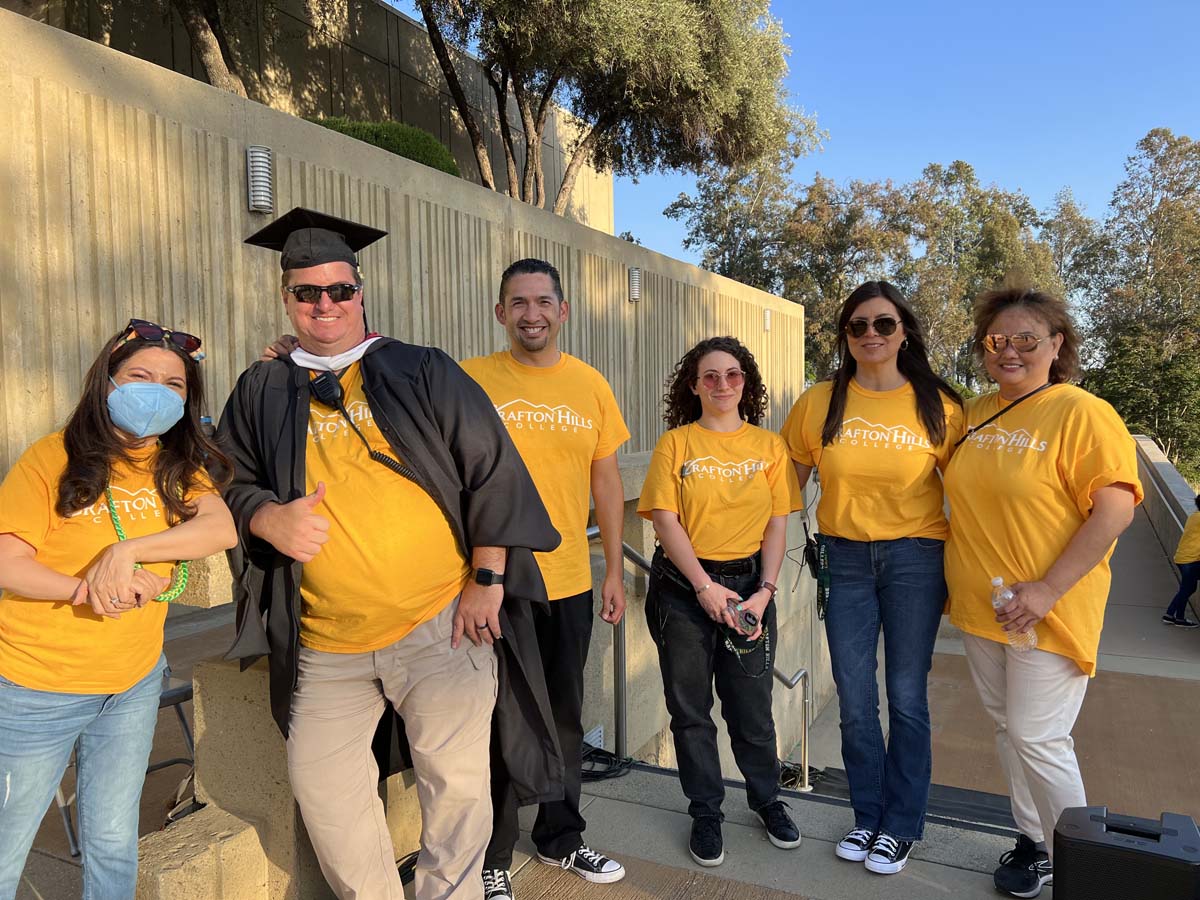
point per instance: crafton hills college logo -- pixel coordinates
(721, 470)
(520, 415)
(131, 506)
(325, 425)
(993, 437)
(858, 432)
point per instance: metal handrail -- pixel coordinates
(620, 682)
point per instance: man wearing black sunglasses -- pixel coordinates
(384, 514)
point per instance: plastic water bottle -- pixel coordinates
(1001, 597)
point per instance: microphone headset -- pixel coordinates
(327, 388)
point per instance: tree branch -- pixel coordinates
(460, 98)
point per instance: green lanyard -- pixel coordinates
(180, 580)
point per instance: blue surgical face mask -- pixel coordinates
(144, 408)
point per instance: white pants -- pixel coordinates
(1034, 698)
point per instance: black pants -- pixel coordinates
(563, 639)
(692, 655)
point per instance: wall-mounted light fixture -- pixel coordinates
(260, 179)
(635, 284)
(766, 320)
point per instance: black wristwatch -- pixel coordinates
(487, 577)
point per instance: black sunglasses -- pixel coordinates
(311, 293)
(141, 330)
(884, 326)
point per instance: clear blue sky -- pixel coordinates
(1035, 96)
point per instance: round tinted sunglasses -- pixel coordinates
(733, 378)
(311, 293)
(883, 325)
(141, 330)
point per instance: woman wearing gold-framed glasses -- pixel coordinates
(1044, 482)
(94, 520)
(880, 431)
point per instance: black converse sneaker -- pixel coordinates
(888, 855)
(497, 885)
(588, 865)
(1023, 870)
(705, 844)
(855, 845)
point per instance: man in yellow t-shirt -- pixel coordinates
(564, 420)
(384, 515)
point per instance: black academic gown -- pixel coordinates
(441, 423)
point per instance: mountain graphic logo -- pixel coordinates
(521, 413)
(993, 437)
(126, 501)
(857, 429)
(714, 467)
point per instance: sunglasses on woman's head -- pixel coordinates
(883, 325)
(1022, 343)
(311, 293)
(733, 378)
(141, 330)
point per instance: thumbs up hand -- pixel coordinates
(295, 529)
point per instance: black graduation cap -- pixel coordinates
(307, 238)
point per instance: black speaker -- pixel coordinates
(1098, 856)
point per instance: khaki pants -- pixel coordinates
(446, 699)
(1034, 698)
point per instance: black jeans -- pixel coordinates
(563, 639)
(692, 655)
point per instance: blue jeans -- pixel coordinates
(38, 729)
(693, 657)
(1189, 575)
(896, 586)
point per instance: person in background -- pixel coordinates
(1043, 484)
(880, 432)
(1187, 557)
(719, 489)
(93, 521)
(569, 456)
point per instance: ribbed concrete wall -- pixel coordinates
(123, 194)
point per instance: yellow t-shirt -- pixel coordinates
(879, 478)
(562, 418)
(50, 645)
(392, 560)
(724, 486)
(1188, 550)
(1019, 490)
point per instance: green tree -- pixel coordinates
(1144, 327)
(658, 84)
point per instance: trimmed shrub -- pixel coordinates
(403, 140)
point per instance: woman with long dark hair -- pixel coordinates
(879, 432)
(94, 521)
(719, 490)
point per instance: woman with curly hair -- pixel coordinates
(719, 490)
(880, 431)
(93, 519)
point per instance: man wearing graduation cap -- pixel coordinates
(384, 515)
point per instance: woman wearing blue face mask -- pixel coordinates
(94, 521)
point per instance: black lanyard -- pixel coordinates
(992, 418)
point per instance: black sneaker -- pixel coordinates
(1023, 870)
(888, 855)
(781, 830)
(706, 845)
(1184, 622)
(588, 865)
(855, 845)
(497, 885)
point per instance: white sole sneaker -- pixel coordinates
(851, 854)
(707, 863)
(884, 868)
(593, 877)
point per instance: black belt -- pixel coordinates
(730, 568)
